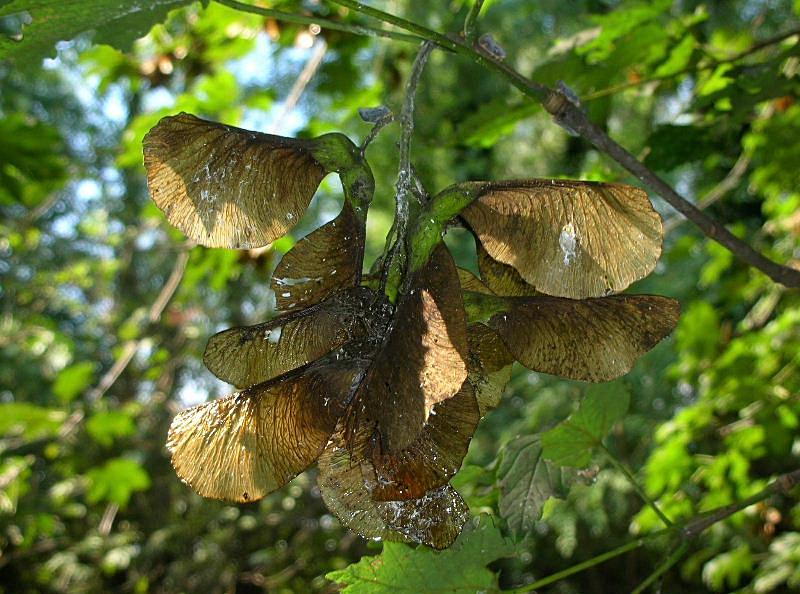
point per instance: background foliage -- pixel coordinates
(705, 92)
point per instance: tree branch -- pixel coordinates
(154, 314)
(636, 486)
(687, 532)
(300, 19)
(566, 111)
(756, 47)
(783, 484)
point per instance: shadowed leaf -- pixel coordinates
(571, 442)
(470, 282)
(526, 481)
(489, 366)
(243, 446)
(324, 261)
(592, 339)
(434, 457)
(228, 187)
(568, 238)
(501, 279)
(423, 360)
(253, 354)
(345, 481)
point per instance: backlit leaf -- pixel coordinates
(243, 446)
(228, 187)
(254, 354)
(591, 339)
(72, 380)
(568, 238)
(324, 261)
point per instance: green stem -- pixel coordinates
(470, 31)
(322, 22)
(555, 577)
(396, 258)
(635, 484)
(663, 568)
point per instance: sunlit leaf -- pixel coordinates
(243, 446)
(254, 354)
(29, 420)
(423, 360)
(459, 570)
(568, 238)
(525, 481)
(591, 339)
(328, 259)
(116, 481)
(105, 427)
(571, 442)
(72, 380)
(228, 187)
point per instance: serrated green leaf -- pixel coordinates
(571, 442)
(116, 481)
(73, 380)
(461, 569)
(526, 481)
(115, 23)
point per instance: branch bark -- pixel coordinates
(567, 112)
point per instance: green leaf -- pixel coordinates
(73, 380)
(116, 481)
(460, 569)
(526, 481)
(30, 420)
(115, 23)
(571, 442)
(679, 58)
(619, 23)
(717, 81)
(105, 427)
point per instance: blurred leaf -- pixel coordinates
(116, 23)
(73, 380)
(116, 481)
(673, 145)
(460, 569)
(30, 420)
(105, 427)
(32, 160)
(526, 481)
(571, 442)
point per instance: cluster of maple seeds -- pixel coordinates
(384, 386)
